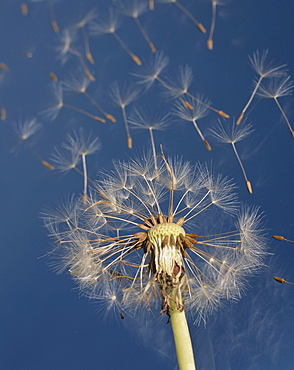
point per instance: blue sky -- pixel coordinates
(45, 322)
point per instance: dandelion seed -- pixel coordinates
(25, 129)
(122, 94)
(134, 9)
(3, 113)
(131, 239)
(277, 237)
(54, 24)
(84, 146)
(281, 238)
(180, 81)
(140, 120)
(66, 49)
(231, 136)
(281, 280)
(79, 83)
(214, 4)
(110, 26)
(66, 160)
(151, 70)
(264, 69)
(57, 95)
(4, 67)
(175, 87)
(24, 8)
(199, 25)
(109, 300)
(90, 16)
(199, 111)
(178, 85)
(30, 56)
(276, 88)
(77, 147)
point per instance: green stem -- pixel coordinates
(182, 338)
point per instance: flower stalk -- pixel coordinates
(182, 338)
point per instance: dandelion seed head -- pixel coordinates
(160, 231)
(129, 245)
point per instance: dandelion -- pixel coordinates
(276, 88)
(79, 83)
(25, 129)
(193, 115)
(231, 136)
(57, 97)
(122, 94)
(77, 147)
(110, 26)
(133, 9)
(92, 14)
(264, 69)
(199, 25)
(133, 238)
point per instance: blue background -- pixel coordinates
(45, 323)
